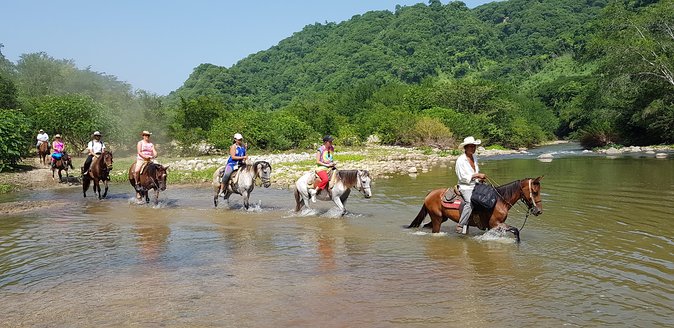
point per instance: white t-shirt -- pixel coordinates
(465, 172)
(42, 137)
(96, 146)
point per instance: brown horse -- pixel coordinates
(42, 152)
(153, 176)
(61, 164)
(527, 190)
(99, 171)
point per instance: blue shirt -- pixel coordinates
(240, 152)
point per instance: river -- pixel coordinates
(601, 254)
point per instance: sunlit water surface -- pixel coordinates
(602, 254)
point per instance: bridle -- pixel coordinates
(361, 187)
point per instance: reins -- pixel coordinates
(531, 196)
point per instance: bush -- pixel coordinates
(14, 137)
(430, 131)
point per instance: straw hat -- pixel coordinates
(97, 134)
(57, 136)
(470, 141)
(145, 132)
(238, 136)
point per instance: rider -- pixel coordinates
(42, 137)
(58, 146)
(94, 147)
(146, 152)
(324, 162)
(237, 157)
(469, 174)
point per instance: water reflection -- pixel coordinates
(600, 255)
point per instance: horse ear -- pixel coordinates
(166, 167)
(539, 178)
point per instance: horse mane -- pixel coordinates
(508, 190)
(348, 177)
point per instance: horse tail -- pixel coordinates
(420, 217)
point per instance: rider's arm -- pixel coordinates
(90, 148)
(139, 147)
(232, 153)
(320, 162)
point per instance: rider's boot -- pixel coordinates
(222, 189)
(138, 187)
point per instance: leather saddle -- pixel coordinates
(234, 179)
(332, 179)
(451, 198)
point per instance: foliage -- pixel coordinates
(14, 137)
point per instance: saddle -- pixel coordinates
(332, 179)
(143, 166)
(451, 198)
(234, 179)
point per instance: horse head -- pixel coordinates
(107, 160)
(531, 195)
(160, 174)
(263, 170)
(364, 183)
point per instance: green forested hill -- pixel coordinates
(407, 45)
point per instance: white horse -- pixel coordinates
(242, 181)
(344, 181)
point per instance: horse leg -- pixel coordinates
(105, 183)
(156, 197)
(245, 195)
(85, 185)
(299, 200)
(338, 201)
(215, 197)
(436, 220)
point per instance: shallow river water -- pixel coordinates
(601, 254)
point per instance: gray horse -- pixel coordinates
(242, 181)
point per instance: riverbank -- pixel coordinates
(381, 161)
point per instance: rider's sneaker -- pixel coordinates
(313, 195)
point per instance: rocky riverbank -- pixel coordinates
(381, 161)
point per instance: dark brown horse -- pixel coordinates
(42, 152)
(153, 176)
(527, 190)
(61, 164)
(99, 171)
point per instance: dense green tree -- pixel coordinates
(15, 137)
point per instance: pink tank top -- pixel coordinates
(146, 149)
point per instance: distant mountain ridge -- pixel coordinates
(407, 45)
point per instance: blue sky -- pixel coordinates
(155, 45)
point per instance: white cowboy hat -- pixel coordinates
(238, 136)
(41, 130)
(145, 132)
(470, 141)
(57, 136)
(97, 133)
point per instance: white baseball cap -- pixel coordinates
(238, 136)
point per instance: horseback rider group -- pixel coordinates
(467, 169)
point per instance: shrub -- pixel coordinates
(14, 137)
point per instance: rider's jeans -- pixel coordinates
(468, 208)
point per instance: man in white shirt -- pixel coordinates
(94, 147)
(469, 174)
(42, 137)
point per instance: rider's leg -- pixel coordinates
(87, 164)
(321, 185)
(467, 211)
(136, 173)
(225, 177)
